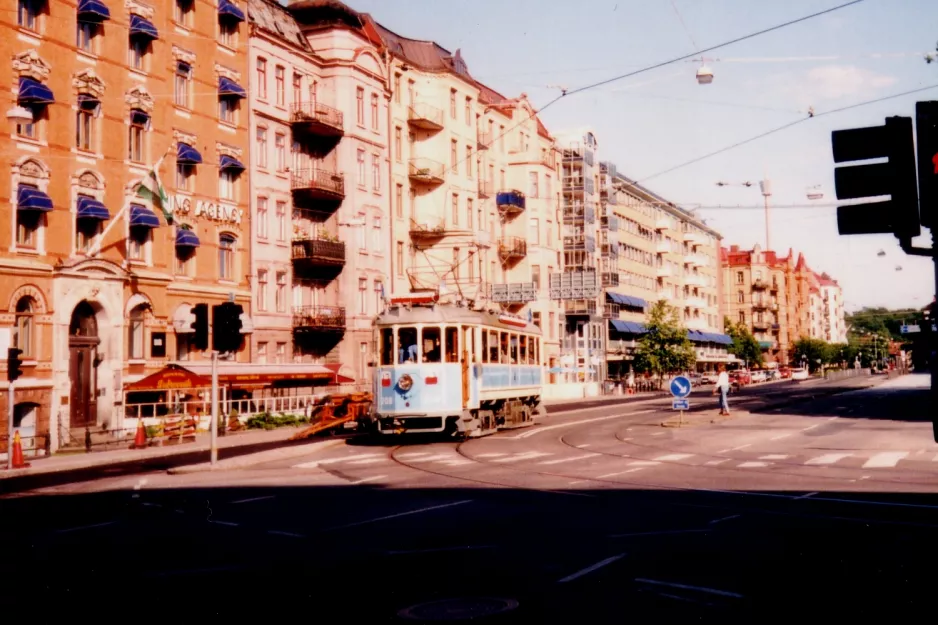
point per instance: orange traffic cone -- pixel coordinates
(18, 462)
(140, 440)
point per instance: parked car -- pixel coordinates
(695, 378)
(710, 377)
(784, 372)
(759, 376)
(799, 374)
(740, 377)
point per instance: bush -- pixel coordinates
(267, 421)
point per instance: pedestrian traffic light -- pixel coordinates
(226, 327)
(14, 364)
(926, 135)
(895, 177)
(200, 327)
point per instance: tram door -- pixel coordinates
(467, 352)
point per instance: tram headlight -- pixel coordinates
(405, 382)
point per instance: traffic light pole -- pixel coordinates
(10, 399)
(214, 426)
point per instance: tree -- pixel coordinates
(745, 346)
(664, 348)
(815, 351)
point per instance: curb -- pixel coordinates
(247, 460)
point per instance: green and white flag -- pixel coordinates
(152, 189)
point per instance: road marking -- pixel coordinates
(400, 514)
(569, 423)
(726, 518)
(226, 523)
(576, 482)
(620, 473)
(571, 459)
(827, 459)
(492, 455)
(713, 463)
(833, 418)
(657, 433)
(659, 533)
(290, 534)
(723, 451)
(630, 438)
(414, 454)
(315, 464)
(811, 427)
(369, 479)
(885, 459)
(583, 445)
(935, 459)
(643, 463)
(674, 457)
(455, 462)
(713, 591)
(366, 461)
(752, 465)
(773, 457)
(780, 437)
(590, 569)
(252, 499)
(807, 495)
(154, 505)
(528, 455)
(84, 527)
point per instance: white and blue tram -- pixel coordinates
(446, 368)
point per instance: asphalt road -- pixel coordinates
(822, 509)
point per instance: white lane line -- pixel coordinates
(779, 437)
(84, 527)
(885, 459)
(583, 445)
(369, 479)
(657, 433)
(630, 438)
(811, 427)
(455, 462)
(723, 451)
(492, 455)
(226, 523)
(414, 454)
(833, 418)
(773, 457)
(713, 591)
(713, 463)
(155, 505)
(620, 473)
(576, 482)
(528, 455)
(726, 518)
(366, 461)
(400, 514)
(752, 465)
(290, 534)
(316, 463)
(643, 463)
(577, 422)
(658, 533)
(570, 459)
(590, 569)
(827, 459)
(805, 496)
(674, 457)
(252, 499)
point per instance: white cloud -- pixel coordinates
(826, 83)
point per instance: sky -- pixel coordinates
(662, 118)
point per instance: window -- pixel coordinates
(137, 243)
(536, 277)
(262, 352)
(536, 319)
(469, 213)
(455, 209)
(138, 48)
(548, 192)
(376, 233)
(261, 77)
(280, 295)
(226, 246)
(28, 14)
(454, 156)
(742, 317)
(469, 161)
(227, 109)
(362, 233)
(182, 12)
(228, 32)
(534, 231)
(740, 297)
(501, 179)
(399, 200)
(181, 85)
(374, 111)
(362, 293)
(184, 259)
(261, 218)
(410, 93)
(86, 32)
(84, 124)
(452, 344)
(138, 127)
(397, 88)
(739, 277)
(471, 264)
(412, 200)
(452, 103)
(261, 143)
(532, 184)
(379, 289)
(280, 84)
(361, 167)
(456, 264)
(280, 147)
(399, 258)
(23, 338)
(281, 221)
(430, 344)
(360, 106)
(281, 352)
(297, 89)
(30, 130)
(375, 172)
(136, 334)
(550, 324)
(227, 184)
(397, 144)
(468, 111)
(501, 138)
(185, 175)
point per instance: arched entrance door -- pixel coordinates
(82, 347)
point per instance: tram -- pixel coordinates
(450, 369)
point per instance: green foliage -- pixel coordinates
(815, 351)
(665, 348)
(882, 321)
(267, 421)
(745, 346)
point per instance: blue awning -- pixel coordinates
(141, 27)
(32, 199)
(185, 153)
(186, 238)
(93, 9)
(90, 208)
(626, 300)
(229, 162)
(139, 117)
(723, 339)
(142, 216)
(627, 327)
(228, 9)
(33, 92)
(228, 88)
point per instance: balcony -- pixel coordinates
(512, 249)
(610, 223)
(695, 302)
(620, 346)
(483, 140)
(578, 241)
(485, 189)
(548, 161)
(316, 184)
(696, 260)
(609, 250)
(425, 117)
(696, 237)
(760, 326)
(318, 254)
(578, 212)
(759, 305)
(573, 285)
(510, 202)
(610, 311)
(662, 247)
(514, 293)
(579, 307)
(313, 119)
(663, 272)
(318, 319)
(666, 296)
(695, 280)
(427, 233)
(609, 278)
(662, 224)
(426, 171)
(759, 285)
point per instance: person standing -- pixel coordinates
(723, 387)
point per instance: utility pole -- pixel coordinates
(766, 186)
(214, 399)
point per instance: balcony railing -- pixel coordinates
(759, 305)
(609, 278)
(663, 272)
(425, 117)
(760, 326)
(426, 171)
(662, 247)
(579, 307)
(318, 184)
(579, 242)
(485, 189)
(514, 293)
(512, 248)
(610, 311)
(427, 232)
(319, 318)
(314, 118)
(662, 224)
(576, 212)
(760, 284)
(511, 201)
(318, 253)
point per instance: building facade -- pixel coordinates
(834, 327)
(98, 279)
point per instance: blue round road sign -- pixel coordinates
(680, 386)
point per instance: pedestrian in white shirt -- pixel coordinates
(723, 387)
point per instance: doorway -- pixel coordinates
(83, 344)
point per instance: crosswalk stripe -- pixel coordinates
(316, 463)
(528, 455)
(414, 454)
(674, 457)
(827, 459)
(643, 463)
(752, 465)
(492, 455)
(366, 461)
(569, 459)
(885, 459)
(773, 457)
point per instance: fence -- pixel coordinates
(833, 375)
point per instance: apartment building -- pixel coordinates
(834, 327)
(99, 281)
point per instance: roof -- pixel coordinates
(275, 20)
(666, 205)
(735, 256)
(446, 313)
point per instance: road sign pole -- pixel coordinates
(214, 426)
(10, 414)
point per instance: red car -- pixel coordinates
(740, 376)
(784, 372)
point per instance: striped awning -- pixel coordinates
(142, 216)
(93, 10)
(625, 300)
(186, 238)
(229, 10)
(185, 153)
(228, 88)
(627, 327)
(32, 91)
(142, 27)
(230, 162)
(90, 208)
(32, 199)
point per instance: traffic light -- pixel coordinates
(200, 327)
(926, 133)
(226, 327)
(14, 364)
(895, 177)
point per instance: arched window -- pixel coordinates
(136, 334)
(226, 257)
(24, 330)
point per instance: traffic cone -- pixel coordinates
(18, 462)
(140, 440)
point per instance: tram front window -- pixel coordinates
(430, 344)
(407, 341)
(452, 344)
(387, 346)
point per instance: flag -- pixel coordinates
(152, 189)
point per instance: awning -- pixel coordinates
(93, 10)
(88, 102)
(228, 88)
(229, 162)
(142, 216)
(138, 117)
(627, 327)
(254, 374)
(170, 378)
(228, 9)
(33, 92)
(142, 27)
(185, 153)
(625, 300)
(186, 238)
(765, 344)
(90, 208)
(32, 199)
